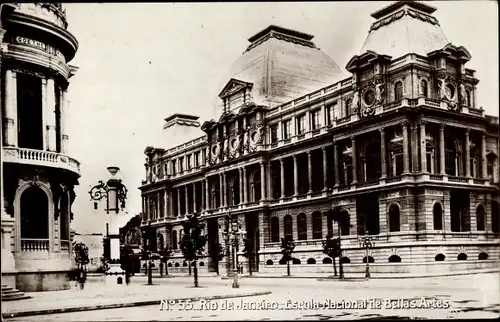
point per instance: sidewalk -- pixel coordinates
(347, 276)
(100, 295)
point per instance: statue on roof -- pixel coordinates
(463, 93)
(355, 100)
(379, 91)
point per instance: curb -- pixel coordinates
(123, 305)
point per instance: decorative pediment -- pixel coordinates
(234, 86)
(208, 125)
(450, 50)
(367, 58)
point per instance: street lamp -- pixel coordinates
(233, 236)
(146, 252)
(113, 191)
(366, 242)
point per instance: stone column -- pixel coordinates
(414, 147)
(240, 177)
(309, 170)
(10, 118)
(483, 157)
(295, 176)
(406, 156)
(423, 147)
(207, 197)
(186, 198)
(158, 205)
(194, 197)
(383, 154)
(354, 161)
(467, 153)
(262, 181)
(171, 203)
(63, 106)
(226, 190)
(221, 189)
(336, 163)
(178, 201)
(269, 187)
(50, 116)
(245, 185)
(282, 173)
(325, 169)
(442, 165)
(165, 203)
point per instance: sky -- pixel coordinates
(142, 62)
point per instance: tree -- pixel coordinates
(287, 247)
(193, 242)
(331, 247)
(81, 252)
(341, 217)
(165, 256)
(217, 254)
(248, 253)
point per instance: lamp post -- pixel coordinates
(366, 242)
(233, 236)
(146, 252)
(115, 194)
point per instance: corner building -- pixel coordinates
(38, 174)
(399, 143)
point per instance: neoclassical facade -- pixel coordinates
(38, 175)
(400, 144)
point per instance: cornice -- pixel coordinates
(402, 13)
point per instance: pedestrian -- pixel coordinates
(127, 277)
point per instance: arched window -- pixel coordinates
(296, 261)
(462, 257)
(482, 256)
(394, 259)
(398, 91)
(311, 261)
(176, 265)
(437, 213)
(345, 227)
(370, 260)
(34, 214)
(275, 230)
(202, 264)
(345, 260)
(288, 227)
(174, 239)
(160, 242)
(184, 264)
(423, 88)
(282, 262)
(480, 218)
(439, 258)
(302, 226)
(394, 220)
(269, 262)
(317, 225)
(327, 260)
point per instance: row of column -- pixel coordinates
(49, 115)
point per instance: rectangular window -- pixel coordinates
(174, 167)
(188, 161)
(301, 124)
(329, 110)
(181, 164)
(274, 133)
(315, 120)
(197, 159)
(287, 129)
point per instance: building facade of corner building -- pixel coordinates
(38, 175)
(400, 145)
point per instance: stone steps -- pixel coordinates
(12, 294)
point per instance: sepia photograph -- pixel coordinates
(249, 161)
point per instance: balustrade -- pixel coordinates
(34, 245)
(40, 157)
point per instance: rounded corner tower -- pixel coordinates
(38, 175)
(283, 64)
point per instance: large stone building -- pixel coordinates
(38, 175)
(400, 144)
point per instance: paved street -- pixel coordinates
(468, 296)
